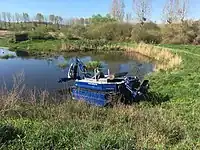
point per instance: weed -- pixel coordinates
(91, 65)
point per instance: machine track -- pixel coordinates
(111, 98)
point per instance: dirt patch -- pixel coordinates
(4, 33)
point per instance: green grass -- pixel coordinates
(37, 45)
(4, 42)
(173, 124)
(91, 65)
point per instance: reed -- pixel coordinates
(164, 58)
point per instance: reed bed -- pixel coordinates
(164, 58)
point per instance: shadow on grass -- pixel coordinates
(9, 133)
(155, 98)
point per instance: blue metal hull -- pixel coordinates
(89, 96)
(97, 86)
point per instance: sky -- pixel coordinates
(83, 8)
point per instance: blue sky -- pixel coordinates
(81, 8)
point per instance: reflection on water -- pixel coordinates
(4, 52)
(44, 73)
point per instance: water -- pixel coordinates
(43, 73)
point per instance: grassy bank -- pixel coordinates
(173, 124)
(37, 44)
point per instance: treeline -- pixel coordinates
(115, 26)
(173, 11)
(12, 21)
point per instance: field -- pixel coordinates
(169, 121)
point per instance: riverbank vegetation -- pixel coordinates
(168, 121)
(91, 65)
(7, 56)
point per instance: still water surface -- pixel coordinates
(43, 73)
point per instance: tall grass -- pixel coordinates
(165, 59)
(34, 122)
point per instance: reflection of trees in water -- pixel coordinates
(141, 69)
(115, 62)
(113, 67)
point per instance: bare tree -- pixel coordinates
(58, 21)
(82, 21)
(13, 20)
(52, 18)
(128, 17)
(17, 17)
(9, 17)
(0, 21)
(117, 10)
(46, 20)
(142, 9)
(39, 17)
(175, 10)
(26, 17)
(121, 12)
(182, 11)
(4, 18)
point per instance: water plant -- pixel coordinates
(91, 65)
(62, 65)
(7, 56)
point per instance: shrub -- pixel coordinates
(184, 33)
(8, 133)
(19, 37)
(110, 31)
(93, 64)
(148, 33)
(37, 35)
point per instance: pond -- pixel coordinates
(44, 73)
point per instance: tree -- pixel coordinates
(175, 10)
(183, 6)
(128, 17)
(117, 10)
(52, 18)
(46, 20)
(0, 21)
(26, 17)
(101, 19)
(39, 17)
(17, 17)
(82, 21)
(58, 21)
(4, 18)
(13, 20)
(142, 9)
(9, 17)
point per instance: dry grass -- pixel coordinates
(165, 59)
(9, 98)
(76, 125)
(5, 33)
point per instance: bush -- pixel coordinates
(148, 33)
(184, 33)
(37, 35)
(91, 65)
(110, 31)
(9, 133)
(19, 37)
